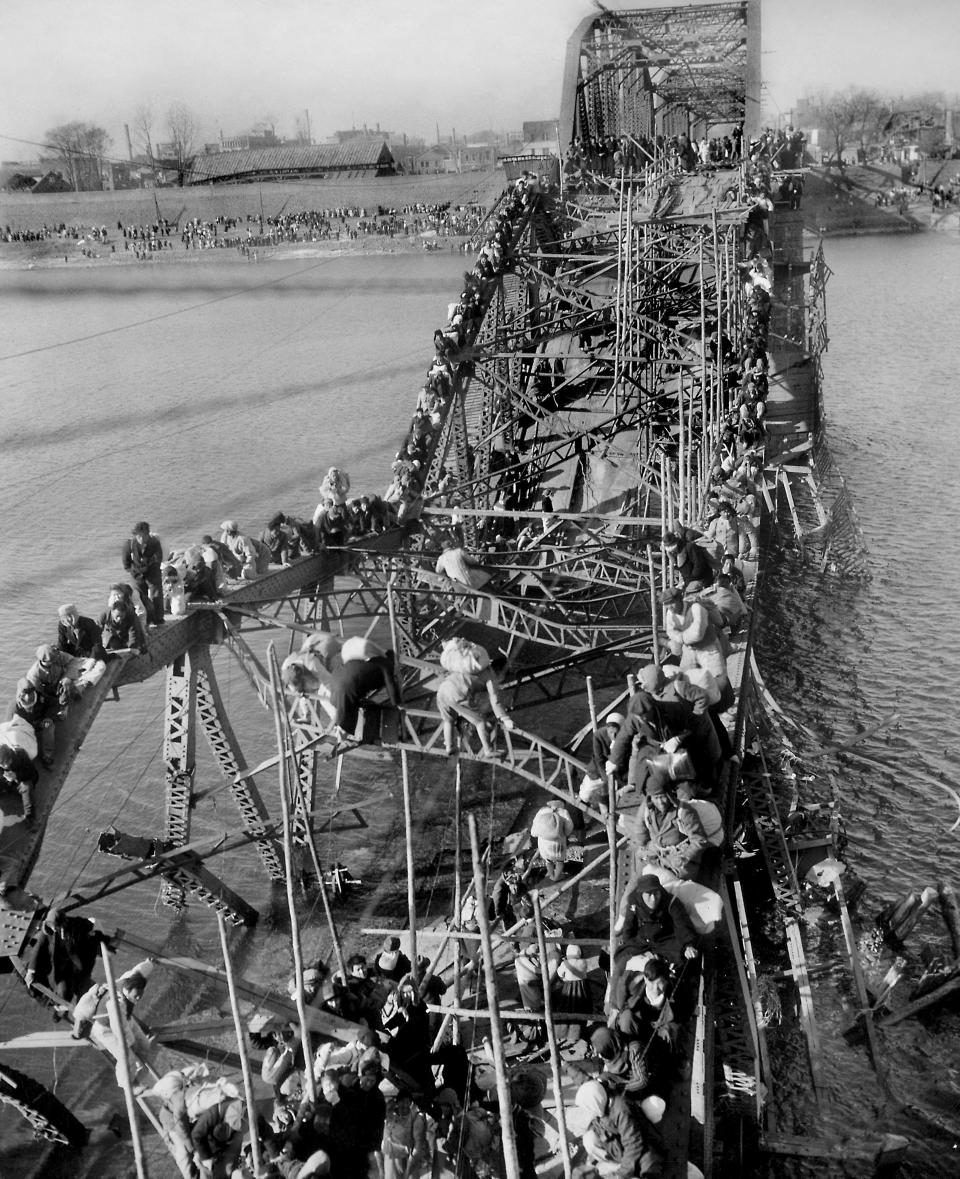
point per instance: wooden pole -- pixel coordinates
(552, 1038)
(288, 865)
(591, 702)
(612, 851)
(681, 453)
(951, 915)
(510, 1159)
(654, 612)
(457, 891)
(411, 878)
(123, 1063)
(244, 1049)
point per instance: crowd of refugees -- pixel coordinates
(61, 232)
(610, 156)
(313, 225)
(399, 1098)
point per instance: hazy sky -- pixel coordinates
(408, 66)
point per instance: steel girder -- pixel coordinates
(179, 759)
(657, 70)
(233, 766)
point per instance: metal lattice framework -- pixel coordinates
(642, 72)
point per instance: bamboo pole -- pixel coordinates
(654, 613)
(411, 879)
(123, 1063)
(612, 850)
(592, 703)
(457, 891)
(510, 1159)
(244, 1049)
(283, 769)
(552, 1038)
(681, 452)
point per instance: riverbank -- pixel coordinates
(140, 206)
(244, 204)
(60, 255)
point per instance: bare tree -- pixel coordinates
(184, 131)
(851, 116)
(143, 124)
(81, 147)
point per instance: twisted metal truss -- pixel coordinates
(661, 71)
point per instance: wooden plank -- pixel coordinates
(785, 479)
(807, 1013)
(53, 1038)
(942, 992)
(865, 1018)
(747, 971)
(885, 1150)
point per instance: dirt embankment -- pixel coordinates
(837, 203)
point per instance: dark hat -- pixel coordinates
(657, 780)
(671, 540)
(649, 883)
(671, 596)
(604, 1043)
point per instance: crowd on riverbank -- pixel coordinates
(344, 223)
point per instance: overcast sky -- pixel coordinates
(408, 66)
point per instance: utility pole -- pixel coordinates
(309, 135)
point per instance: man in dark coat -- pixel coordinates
(33, 708)
(650, 919)
(18, 772)
(216, 1137)
(351, 684)
(691, 561)
(80, 637)
(142, 559)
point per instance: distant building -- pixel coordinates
(541, 131)
(420, 161)
(357, 159)
(52, 182)
(250, 141)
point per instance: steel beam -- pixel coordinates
(233, 766)
(179, 759)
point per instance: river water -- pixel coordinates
(184, 395)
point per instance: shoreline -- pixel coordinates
(61, 259)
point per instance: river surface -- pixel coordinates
(184, 395)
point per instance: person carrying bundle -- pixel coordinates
(469, 690)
